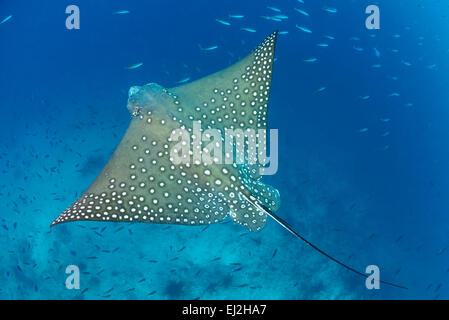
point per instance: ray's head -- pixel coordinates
(148, 98)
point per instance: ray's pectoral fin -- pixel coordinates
(140, 183)
(233, 98)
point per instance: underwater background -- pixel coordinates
(363, 148)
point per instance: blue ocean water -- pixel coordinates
(362, 163)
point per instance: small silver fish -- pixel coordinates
(223, 22)
(330, 10)
(134, 66)
(304, 29)
(6, 19)
(274, 9)
(281, 16)
(208, 48)
(121, 12)
(302, 12)
(248, 29)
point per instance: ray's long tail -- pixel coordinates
(287, 226)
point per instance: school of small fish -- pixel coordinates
(302, 20)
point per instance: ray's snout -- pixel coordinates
(144, 99)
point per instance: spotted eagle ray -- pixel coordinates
(141, 183)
